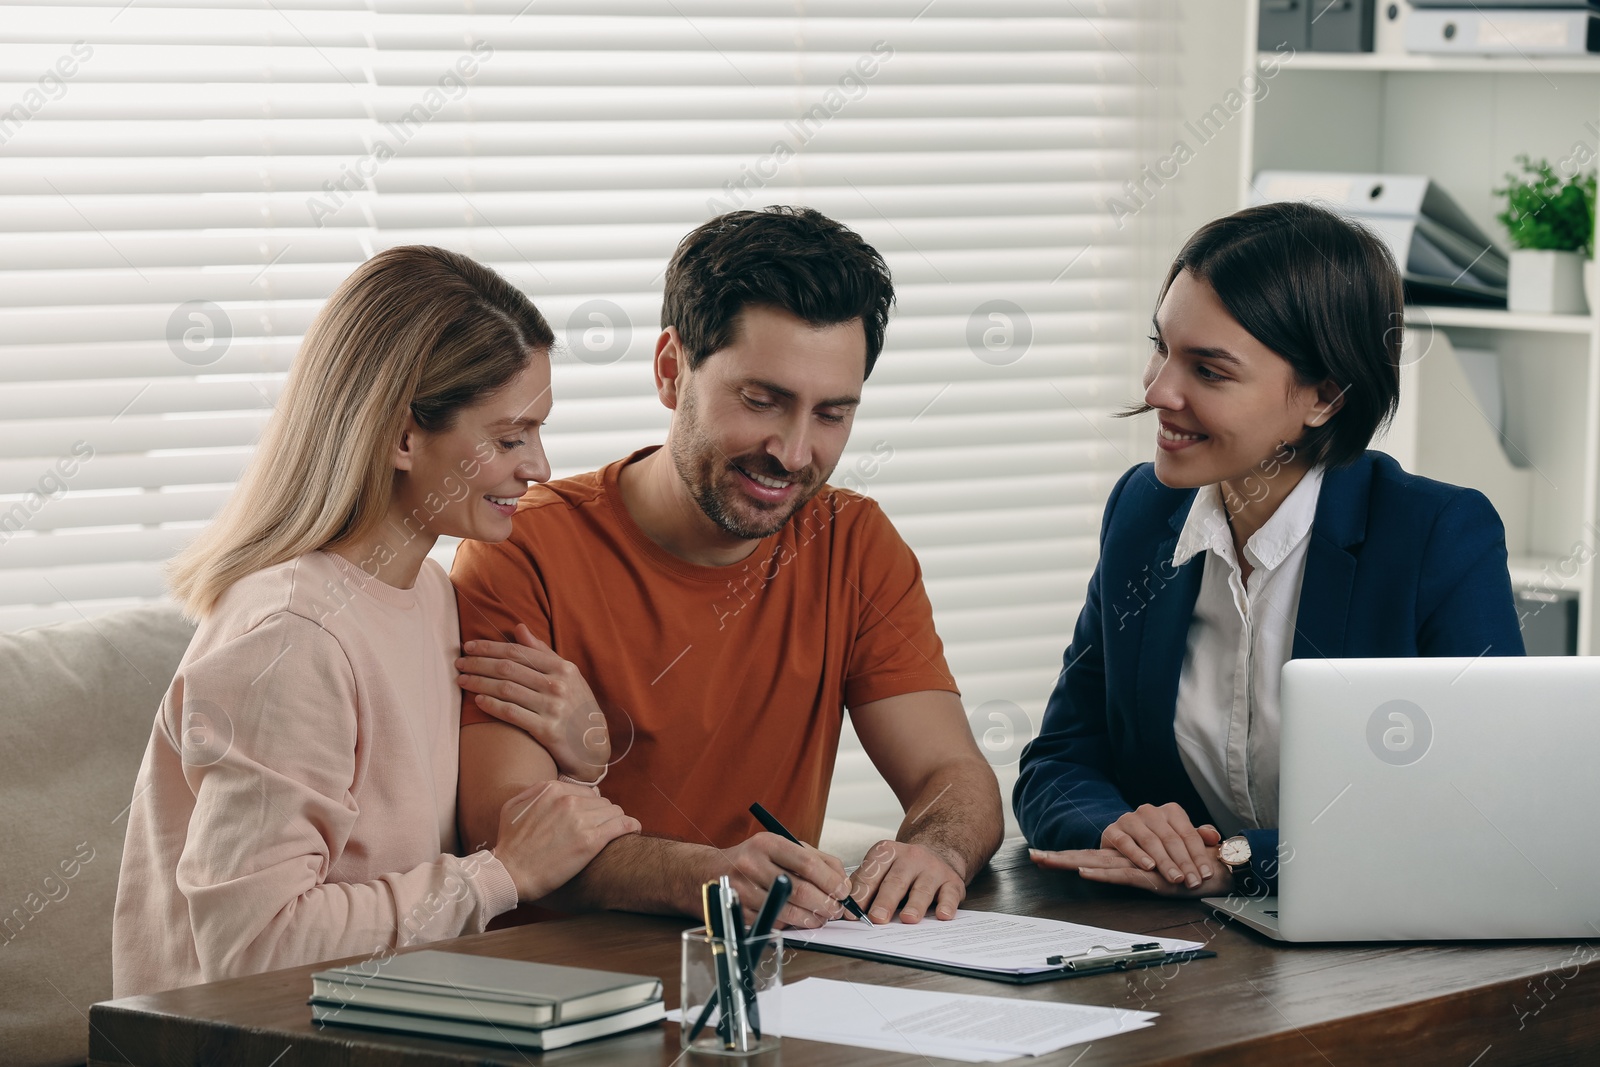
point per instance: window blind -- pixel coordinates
(185, 181)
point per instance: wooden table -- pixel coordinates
(1257, 1002)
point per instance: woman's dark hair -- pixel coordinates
(794, 258)
(1323, 293)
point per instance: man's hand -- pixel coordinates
(1112, 867)
(1163, 841)
(909, 877)
(550, 831)
(532, 688)
(819, 879)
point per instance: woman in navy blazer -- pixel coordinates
(1275, 360)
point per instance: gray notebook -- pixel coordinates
(516, 1036)
(459, 985)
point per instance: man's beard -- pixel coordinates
(708, 475)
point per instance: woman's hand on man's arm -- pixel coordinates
(507, 799)
(551, 830)
(532, 688)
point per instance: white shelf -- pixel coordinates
(1542, 572)
(1462, 119)
(1373, 61)
(1495, 319)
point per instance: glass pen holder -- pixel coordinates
(710, 970)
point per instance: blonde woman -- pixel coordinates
(297, 798)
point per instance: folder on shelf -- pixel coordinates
(1442, 254)
(1502, 4)
(1341, 26)
(1283, 23)
(1315, 25)
(1389, 27)
(1525, 32)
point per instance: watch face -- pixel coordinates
(1234, 851)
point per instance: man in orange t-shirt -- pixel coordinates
(722, 606)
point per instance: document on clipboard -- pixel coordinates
(1020, 949)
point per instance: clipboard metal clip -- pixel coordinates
(1103, 956)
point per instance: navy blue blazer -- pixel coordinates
(1398, 565)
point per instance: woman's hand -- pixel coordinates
(532, 688)
(550, 831)
(1163, 841)
(1154, 848)
(1112, 867)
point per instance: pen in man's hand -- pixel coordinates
(765, 818)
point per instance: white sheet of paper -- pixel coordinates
(1015, 943)
(958, 1026)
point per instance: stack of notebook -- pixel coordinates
(482, 998)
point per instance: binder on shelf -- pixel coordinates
(1481, 367)
(1445, 427)
(1443, 256)
(1341, 26)
(1389, 31)
(1549, 619)
(1501, 4)
(1523, 33)
(1283, 22)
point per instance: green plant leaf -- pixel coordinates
(1546, 211)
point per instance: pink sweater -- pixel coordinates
(297, 799)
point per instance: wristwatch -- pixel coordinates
(1235, 852)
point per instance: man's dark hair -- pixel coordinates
(1323, 293)
(793, 258)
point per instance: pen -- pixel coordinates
(705, 1013)
(711, 894)
(764, 817)
(777, 897)
(737, 989)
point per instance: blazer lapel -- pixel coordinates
(1165, 636)
(1319, 627)
(1340, 525)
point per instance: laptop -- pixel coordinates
(1425, 799)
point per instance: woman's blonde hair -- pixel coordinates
(414, 330)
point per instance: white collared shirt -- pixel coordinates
(1240, 636)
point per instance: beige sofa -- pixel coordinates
(79, 702)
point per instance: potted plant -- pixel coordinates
(1551, 224)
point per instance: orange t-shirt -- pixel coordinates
(721, 685)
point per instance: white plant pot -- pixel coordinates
(1546, 282)
(1589, 276)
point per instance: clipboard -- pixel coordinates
(1135, 957)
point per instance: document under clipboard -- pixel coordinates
(1105, 955)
